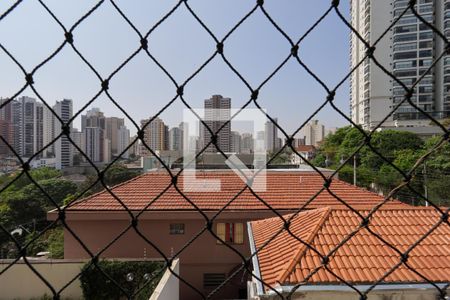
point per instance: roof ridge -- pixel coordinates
(290, 265)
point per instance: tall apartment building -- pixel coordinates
(271, 136)
(156, 136)
(217, 112)
(6, 127)
(123, 140)
(113, 125)
(236, 142)
(93, 125)
(313, 133)
(407, 51)
(27, 117)
(63, 147)
(175, 139)
(247, 143)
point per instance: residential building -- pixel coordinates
(407, 51)
(63, 148)
(113, 125)
(27, 118)
(123, 140)
(79, 139)
(236, 142)
(156, 136)
(93, 125)
(169, 221)
(175, 139)
(95, 144)
(271, 136)
(364, 261)
(217, 113)
(313, 133)
(247, 143)
(49, 132)
(6, 127)
(306, 151)
(135, 149)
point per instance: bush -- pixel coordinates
(97, 286)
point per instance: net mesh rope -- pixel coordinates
(68, 37)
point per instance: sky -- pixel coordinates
(181, 45)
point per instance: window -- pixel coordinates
(230, 233)
(177, 228)
(211, 280)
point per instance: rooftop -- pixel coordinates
(286, 190)
(364, 258)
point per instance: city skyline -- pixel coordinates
(141, 84)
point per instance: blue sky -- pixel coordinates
(181, 45)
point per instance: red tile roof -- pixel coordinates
(286, 190)
(363, 258)
(305, 148)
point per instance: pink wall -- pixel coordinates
(204, 255)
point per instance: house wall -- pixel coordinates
(203, 255)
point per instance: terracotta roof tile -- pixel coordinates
(286, 190)
(362, 259)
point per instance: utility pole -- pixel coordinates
(425, 182)
(354, 170)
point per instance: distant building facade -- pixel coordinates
(313, 133)
(217, 112)
(407, 51)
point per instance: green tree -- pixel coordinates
(115, 174)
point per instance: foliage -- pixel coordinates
(52, 241)
(115, 174)
(96, 286)
(400, 148)
(24, 205)
(282, 158)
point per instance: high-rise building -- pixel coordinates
(49, 132)
(135, 149)
(247, 143)
(271, 135)
(63, 147)
(313, 133)
(123, 140)
(175, 139)
(407, 51)
(236, 142)
(6, 127)
(113, 125)
(217, 112)
(93, 125)
(27, 118)
(94, 143)
(156, 136)
(79, 138)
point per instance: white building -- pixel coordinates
(313, 133)
(27, 117)
(175, 139)
(123, 140)
(407, 51)
(247, 143)
(63, 147)
(236, 142)
(113, 125)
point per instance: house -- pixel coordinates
(168, 223)
(306, 151)
(286, 265)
